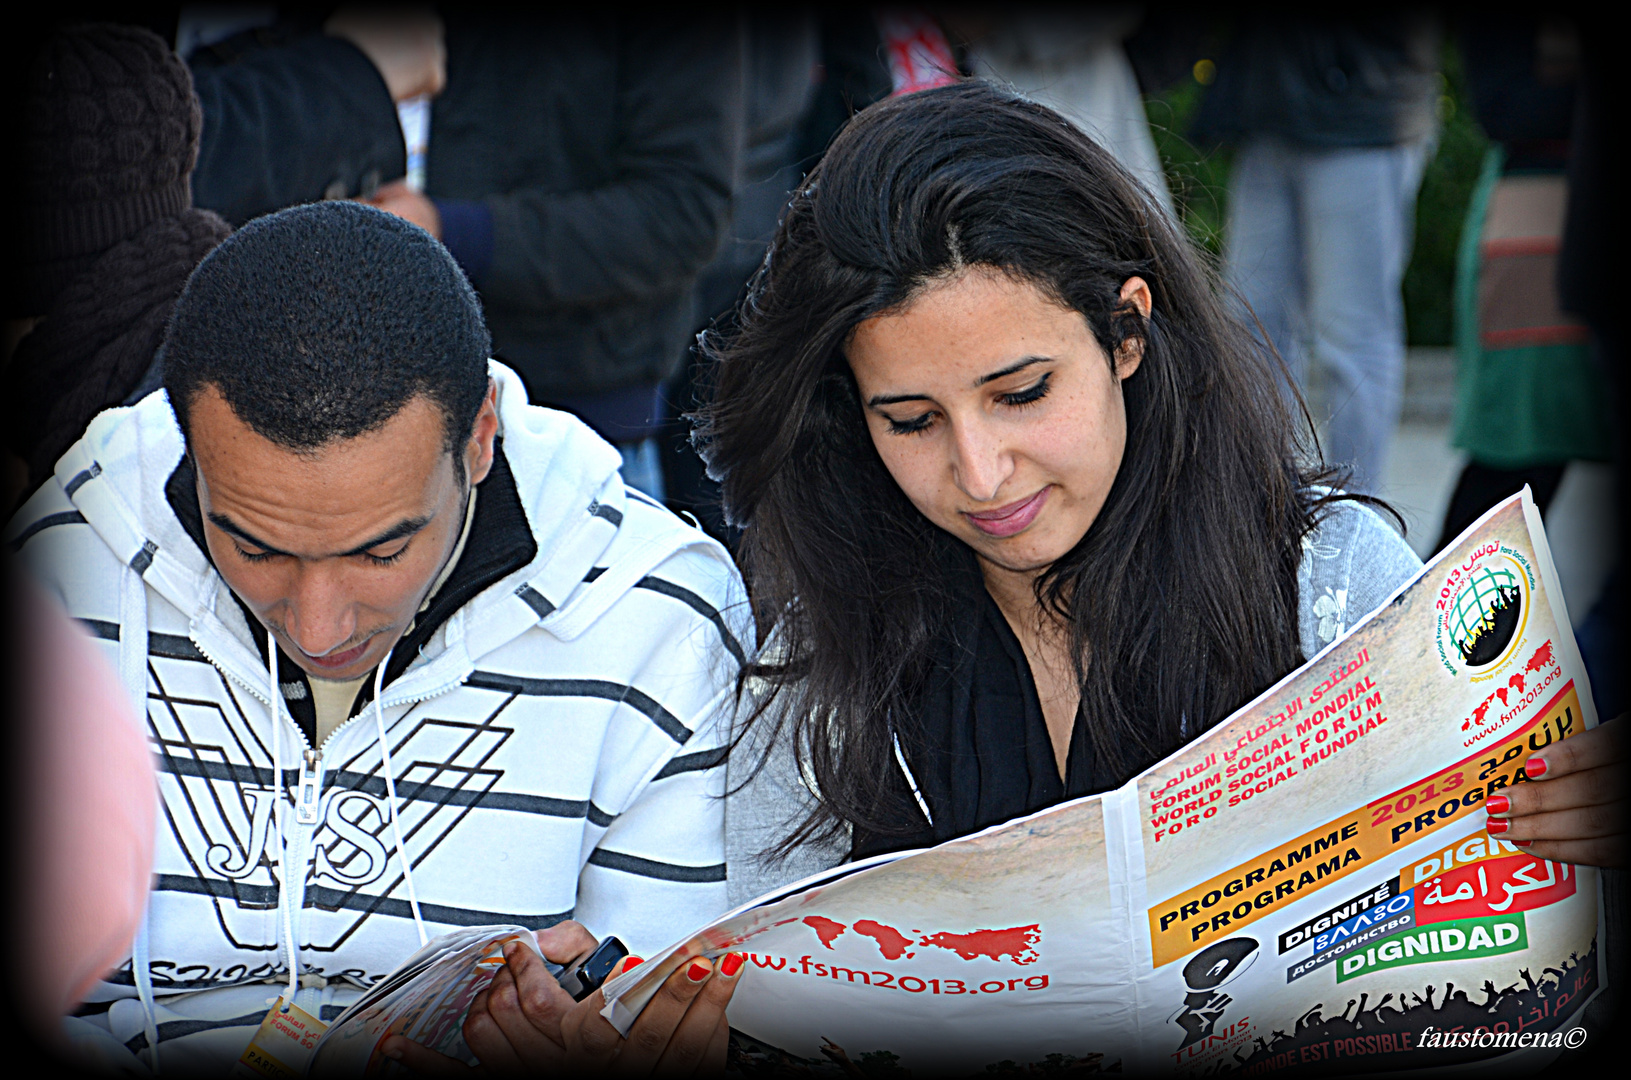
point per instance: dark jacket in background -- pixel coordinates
(602, 151)
(290, 116)
(583, 166)
(1360, 81)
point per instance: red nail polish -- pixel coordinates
(699, 970)
(731, 964)
(1497, 804)
(1521, 843)
(1534, 768)
(633, 962)
(1497, 825)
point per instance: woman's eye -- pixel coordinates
(909, 427)
(1030, 395)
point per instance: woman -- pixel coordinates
(1021, 499)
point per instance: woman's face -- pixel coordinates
(997, 413)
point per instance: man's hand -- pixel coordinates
(399, 199)
(1574, 808)
(524, 1023)
(405, 44)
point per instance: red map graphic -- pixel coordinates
(891, 942)
(826, 929)
(1542, 657)
(1018, 943)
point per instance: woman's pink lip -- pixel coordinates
(1010, 519)
(341, 659)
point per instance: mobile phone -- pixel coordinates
(586, 977)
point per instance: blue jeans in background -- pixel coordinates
(643, 466)
(1316, 242)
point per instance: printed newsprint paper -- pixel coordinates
(1307, 887)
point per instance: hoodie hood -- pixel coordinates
(566, 478)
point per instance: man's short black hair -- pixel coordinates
(320, 322)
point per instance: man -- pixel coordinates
(1335, 120)
(580, 169)
(339, 483)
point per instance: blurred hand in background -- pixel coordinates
(400, 199)
(405, 44)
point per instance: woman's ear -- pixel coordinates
(1135, 292)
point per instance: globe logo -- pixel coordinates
(1485, 614)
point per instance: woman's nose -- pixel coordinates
(982, 463)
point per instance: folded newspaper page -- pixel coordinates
(425, 999)
(1308, 886)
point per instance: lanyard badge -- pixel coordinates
(282, 1046)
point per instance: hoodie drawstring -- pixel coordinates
(285, 891)
(390, 793)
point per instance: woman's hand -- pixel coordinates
(681, 1031)
(1573, 810)
(524, 1023)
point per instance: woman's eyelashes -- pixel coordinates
(1016, 398)
(1030, 395)
(913, 426)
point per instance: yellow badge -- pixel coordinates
(282, 1046)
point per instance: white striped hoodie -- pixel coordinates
(557, 743)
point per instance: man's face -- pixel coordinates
(334, 550)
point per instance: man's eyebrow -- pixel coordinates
(406, 527)
(403, 528)
(1019, 365)
(232, 528)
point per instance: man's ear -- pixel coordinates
(478, 452)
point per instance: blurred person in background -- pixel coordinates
(782, 67)
(806, 75)
(298, 109)
(1074, 60)
(1529, 396)
(85, 807)
(1334, 122)
(110, 233)
(581, 170)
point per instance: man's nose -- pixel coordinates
(982, 464)
(318, 617)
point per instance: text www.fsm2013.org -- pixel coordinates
(884, 980)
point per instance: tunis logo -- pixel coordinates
(1205, 975)
(1482, 609)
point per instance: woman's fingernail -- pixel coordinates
(699, 970)
(1534, 768)
(1497, 825)
(732, 963)
(392, 1051)
(1497, 804)
(1521, 843)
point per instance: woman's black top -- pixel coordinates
(979, 746)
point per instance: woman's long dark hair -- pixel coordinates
(1181, 598)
